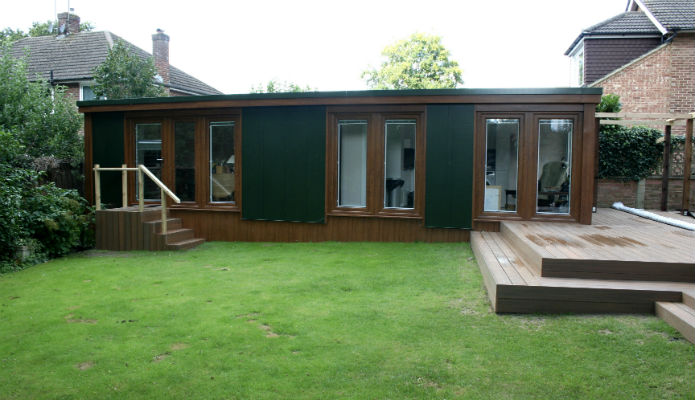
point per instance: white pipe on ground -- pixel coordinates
(654, 217)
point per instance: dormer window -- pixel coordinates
(577, 66)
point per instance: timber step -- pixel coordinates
(514, 287)
(131, 229)
(678, 315)
(567, 250)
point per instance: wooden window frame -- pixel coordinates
(202, 118)
(527, 162)
(376, 134)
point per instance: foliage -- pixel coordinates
(275, 86)
(54, 220)
(47, 28)
(610, 103)
(43, 118)
(626, 153)
(312, 321)
(124, 75)
(629, 153)
(420, 62)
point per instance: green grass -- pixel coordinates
(328, 320)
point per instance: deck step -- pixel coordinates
(178, 235)
(185, 244)
(679, 316)
(172, 224)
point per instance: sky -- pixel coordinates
(236, 45)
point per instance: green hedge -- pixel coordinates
(628, 153)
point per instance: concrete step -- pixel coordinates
(185, 244)
(679, 316)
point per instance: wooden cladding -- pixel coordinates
(225, 226)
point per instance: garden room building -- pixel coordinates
(410, 165)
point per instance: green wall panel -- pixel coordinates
(449, 187)
(107, 151)
(283, 163)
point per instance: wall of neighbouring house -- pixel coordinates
(663, 81)
(602, 56)
(609, 191)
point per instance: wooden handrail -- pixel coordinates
(141, 170)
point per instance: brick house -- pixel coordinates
(69, 59)
(646, 55)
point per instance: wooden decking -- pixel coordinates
(620, 264)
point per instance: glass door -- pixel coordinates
(501, 164)
(148, 152)
(554, 166)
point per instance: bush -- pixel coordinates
(49, 220)
(628, 153)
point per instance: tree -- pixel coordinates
(123, 75)
(47, 28)
(274, 86)
(420, 62)
(41, 117)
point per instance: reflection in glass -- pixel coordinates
(501, 164)
(554, 165)
(352, 163)
(399, 164)
(184, 160)
(222, 162)
(148, 152)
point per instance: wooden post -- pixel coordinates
(97, 188)
(141, 190)
(164, 211)
(124, 185)
(597, 128)
(688, 154)
(666, 168)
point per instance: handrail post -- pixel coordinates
(97, 187)
(164, 211)
(124, 184)
(141, 190)
(685, 206)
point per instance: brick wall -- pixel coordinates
(610, 191)
(663, 81)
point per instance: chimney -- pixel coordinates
(160, 51)
(68, 23)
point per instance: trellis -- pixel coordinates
(667, 121)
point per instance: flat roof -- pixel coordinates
(563, 95)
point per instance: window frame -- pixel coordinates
(376, 136)
(202, 150)
(527, 173)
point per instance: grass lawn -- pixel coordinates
(327, 320)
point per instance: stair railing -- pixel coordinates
(141, 170)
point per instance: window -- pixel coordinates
(196, 156)
(554, 166)
(375, 162)
(524, 163)
(352, 163)
(501, 164)
(222, 161)
(86, 93)
(148, 152)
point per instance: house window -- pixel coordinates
(87, 93)
(577, 67)
(222, 161)
(352, 163)
(375, 160)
